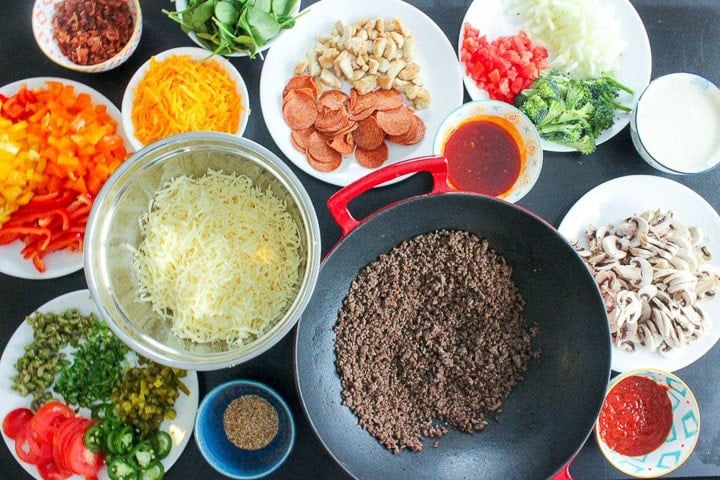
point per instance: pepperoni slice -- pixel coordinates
(343, 143)
(301, 81)
(333, 100)
(415, 133)
(318, 147)
(372, 158)
(361, 106)
(388, 99)
(299, 109)
(396, 121)
(368, 135)
(299, 138)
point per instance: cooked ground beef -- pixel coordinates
(431, 336)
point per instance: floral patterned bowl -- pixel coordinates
(43, 13)
(517, 126)
(679, 443)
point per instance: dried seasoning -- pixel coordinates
(250, 422)
(89, 32)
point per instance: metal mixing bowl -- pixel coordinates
(113, 229)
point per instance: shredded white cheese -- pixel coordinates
(582, 36)
(219, 257)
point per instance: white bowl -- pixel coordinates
(181, 5)
(198, 54)
(681, 440)
(512, 121)
(675, 126)
(42, 18)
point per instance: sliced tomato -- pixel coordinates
(30, 449)
(80, 459)
(50, 471)
(15, 420)
(62, 440)
(49, 417)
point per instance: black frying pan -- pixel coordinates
(546, 419)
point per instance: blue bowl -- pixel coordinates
(225, 457)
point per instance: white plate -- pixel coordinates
(185, 405)
(611, 202)
(434, 53)
(62, 262)
(634, 67)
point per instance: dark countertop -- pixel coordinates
(684, 36)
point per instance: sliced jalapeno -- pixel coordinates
(120, 468)
(120, 440)
(143, 454)
(95, 438)
(162, 443)
(154, 471)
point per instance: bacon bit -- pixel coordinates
(89, 32)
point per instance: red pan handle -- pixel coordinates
(338, 202)
(564, 474)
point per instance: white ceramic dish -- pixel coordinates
(676, 124)
(198, 54)
(42, 28)
(185, 405)
(434, 53)
(634, 68)
(619, 198)
(533, 153)
(679, 444)
(58, 263)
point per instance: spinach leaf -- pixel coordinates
(263, 25)
(282, 8)
(228, 26)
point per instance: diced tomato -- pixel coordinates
(30, 449)
(503, 67)
(15, 421)
(48, 418)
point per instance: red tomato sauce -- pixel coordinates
(484, 156)
(636, 416)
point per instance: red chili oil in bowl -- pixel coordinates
(485, 155)
(636, 416)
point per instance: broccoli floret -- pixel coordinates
(544, 87)
(572, 112)
(584, 144)
(602, 118)
(606, 89)
(535, 107)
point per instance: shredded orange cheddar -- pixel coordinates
(180, 94)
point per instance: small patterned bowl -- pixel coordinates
(679, 444)
(515, 123)
(42, 18)
(223, 455)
